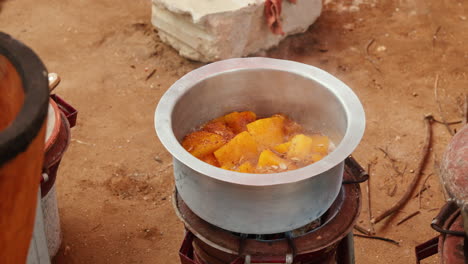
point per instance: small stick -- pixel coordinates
(418, 173)
(362, 230)
(442, 117)
(434, 36)
(369, 207)
(465, 110)
(408, 217)
(96, 227)
(392, 160)
(368, 45)
(449, 123)
(420, 190)
(150, 75)
(379, 238)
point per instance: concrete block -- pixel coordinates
(210, 30)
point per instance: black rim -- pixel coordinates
(16, 138)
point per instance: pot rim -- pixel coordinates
(350, 102)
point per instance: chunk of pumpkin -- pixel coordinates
(316, 157)
(237, 121)
(202, 143)
(301, 148)
(220, 128)
(227, 167)
(320, 144)
(240, 149)
(268, 132)
(210, 159)
(246, 167)
(269, 159)
(283, 147)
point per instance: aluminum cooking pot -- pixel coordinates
(260, 203)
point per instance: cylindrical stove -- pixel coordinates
(452, 220)
(61, 118)
(326, 240)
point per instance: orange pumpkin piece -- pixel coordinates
(316, 157)
(301, 147)
(268, 132)
(283, 147)
(320, 144)
(219, 128)
(227, 167)
(246, 167)
(269, 159)
(240, 149)
(202, 143)
(210, 159)
(237, 121)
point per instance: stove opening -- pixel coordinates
(302, 231)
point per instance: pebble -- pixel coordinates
(381, 48)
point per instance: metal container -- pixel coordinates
(260, 203)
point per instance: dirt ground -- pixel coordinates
(116, 180)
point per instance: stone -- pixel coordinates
(211, 30)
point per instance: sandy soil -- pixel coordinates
(115, 181)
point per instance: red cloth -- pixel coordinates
(273, 15)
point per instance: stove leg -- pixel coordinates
(345, 251)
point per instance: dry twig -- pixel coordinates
(393, 161)
(368, 45)
(379, 238)
(421, 189)
(369, 207)
(408, 217)
(448, 123)
(441, 113)
(418, 173)
(465, 111)
(434, 36)
(362, 230)
(150, 75)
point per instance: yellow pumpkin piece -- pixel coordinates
(219, 128)
(237, 121)
(227, 167)
(320, 144)
(202, 143)
(269, 159)
(268, 132)
(246, 167)
(240, 149)
(301, 148)
(210, 159)
(282, 148)
(316, 157)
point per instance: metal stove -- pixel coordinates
(452, 220)
(326, 240)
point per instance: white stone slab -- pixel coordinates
(210, 30)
